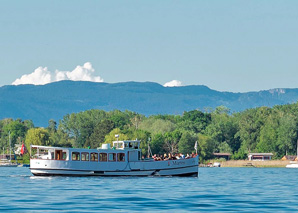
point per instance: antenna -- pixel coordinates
(117, 136)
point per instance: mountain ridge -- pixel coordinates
(52, 101)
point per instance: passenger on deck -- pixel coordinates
(154, 157)
(165, 157)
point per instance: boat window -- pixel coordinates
(136, 145)
(126, 145)
(94, 156)
(120, 156)
(112, 156)
(102, 156)
(58, 154)
(63, 155)
(85, 156)
(75, 156)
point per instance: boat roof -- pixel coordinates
(68, 148)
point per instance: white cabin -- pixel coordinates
(122, 151)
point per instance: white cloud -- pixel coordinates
(174, 83)
(41, 75)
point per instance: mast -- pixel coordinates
(9, 148)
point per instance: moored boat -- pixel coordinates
(6, 163)
(123, 159)
(294, 164)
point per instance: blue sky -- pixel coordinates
(233, 46)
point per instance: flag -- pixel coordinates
(196, 146)
(23, 149)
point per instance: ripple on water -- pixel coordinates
(216, 189)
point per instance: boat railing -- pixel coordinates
(41, 156)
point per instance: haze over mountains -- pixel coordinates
(41, 103)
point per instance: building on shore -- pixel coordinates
(259, 156)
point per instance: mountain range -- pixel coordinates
(40, 103)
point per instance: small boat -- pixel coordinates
(6, 163)
(293, 164)
(216, 164)
(123, 159)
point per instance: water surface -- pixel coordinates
(216, 189)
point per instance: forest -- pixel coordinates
(261, 129)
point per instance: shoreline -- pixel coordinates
(250, 164)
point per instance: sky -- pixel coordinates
(235, 46)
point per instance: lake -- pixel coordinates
(216, 189)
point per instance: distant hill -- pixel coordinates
(53, 101)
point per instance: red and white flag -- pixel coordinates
(23, 149)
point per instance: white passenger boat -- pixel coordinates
(123, 159)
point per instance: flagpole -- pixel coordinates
(196, 147)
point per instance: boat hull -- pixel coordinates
(293, 166)
(183, 172)
(14, 165)
(183, 167)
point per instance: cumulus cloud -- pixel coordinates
(174, 83)
(42, 75)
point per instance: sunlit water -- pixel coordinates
(216, 189)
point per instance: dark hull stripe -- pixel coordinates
(192, 174)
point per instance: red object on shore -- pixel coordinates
(23, 149)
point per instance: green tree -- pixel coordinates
(60, 139)
(171, 141)
(154, 125)
(80, 126)
(269, 134)
(37, 136)
(287, 134)
(187, 142)
(100, 131)
(52, 126)
(195, 121)
(205, 147)
(111, 136)
(250, 124)
(120, 119)
(15, 129)
(222, 129)
(157, 144)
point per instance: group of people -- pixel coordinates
(170, 156)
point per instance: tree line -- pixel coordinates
(261, 129)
